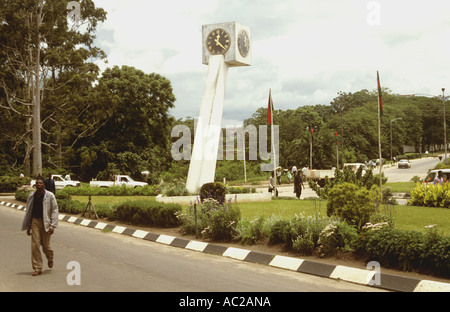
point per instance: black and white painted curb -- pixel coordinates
(337, 272)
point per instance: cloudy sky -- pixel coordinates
(305, 51)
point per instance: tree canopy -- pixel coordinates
(95, 124)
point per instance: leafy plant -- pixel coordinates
(431, 195)
(351, 203)
(215, 221)
(214, 190)
(146, 212)
(347, 175)
(252, 232)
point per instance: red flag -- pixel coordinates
(312, 132)
(380, 98)
(270, 109)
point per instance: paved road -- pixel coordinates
(113, 262)
(419, 167)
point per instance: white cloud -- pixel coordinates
(305, 51)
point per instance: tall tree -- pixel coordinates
(37, 45)
(136, 136)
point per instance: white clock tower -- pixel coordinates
(224, 45)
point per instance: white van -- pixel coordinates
(433, 174)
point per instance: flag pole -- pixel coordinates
(273, 143)
(379, 136)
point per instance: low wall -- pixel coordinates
(240, 198)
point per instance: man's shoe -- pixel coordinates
(50, 264)
(36, 273)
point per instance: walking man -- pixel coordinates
(41, 219)
(298, 184)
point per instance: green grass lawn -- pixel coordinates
(406, 217)
(401, 187)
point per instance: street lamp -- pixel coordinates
(445, 126)
(391, 132)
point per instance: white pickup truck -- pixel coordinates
(119, 180)
(60, 182)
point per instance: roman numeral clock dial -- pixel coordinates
(218, 42)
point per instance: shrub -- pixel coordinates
(347, 175)
(431, 195)
(213, 190)
(10, 184)
(240, 190)
(313, 235)
(146, 213)
(22, 193)
(70, 206)
(147, 190)
(406, 250)
(351, 203)
(338, 236)
(253, 232)
(174, 189)
(304, 244)
(282, 232)
(214, 221)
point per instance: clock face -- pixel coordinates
(243, 43)
(218, 42)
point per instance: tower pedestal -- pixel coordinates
(207, 135)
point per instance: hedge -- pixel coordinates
(10, 184)
(407, 250)
(139, 212)
(146, 213)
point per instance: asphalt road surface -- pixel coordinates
(419, 167)
(112, 262)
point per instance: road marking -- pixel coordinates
(236, 253)
(286, 263)
(140, 234)
(197, 246)
(165, 239)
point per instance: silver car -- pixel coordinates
(404, 163)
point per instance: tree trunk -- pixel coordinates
(37, 147)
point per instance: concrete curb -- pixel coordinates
(370, 278)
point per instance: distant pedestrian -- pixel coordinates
(298, 184)
(294, 169)
(50, 184)
(279, 175)
(439, 178)
(289, 175)
(272, 184)
(40, 221)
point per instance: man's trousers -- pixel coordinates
(39, 237)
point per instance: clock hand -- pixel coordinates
(219, 44)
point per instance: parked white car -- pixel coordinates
(60, 182)
(119, 180)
